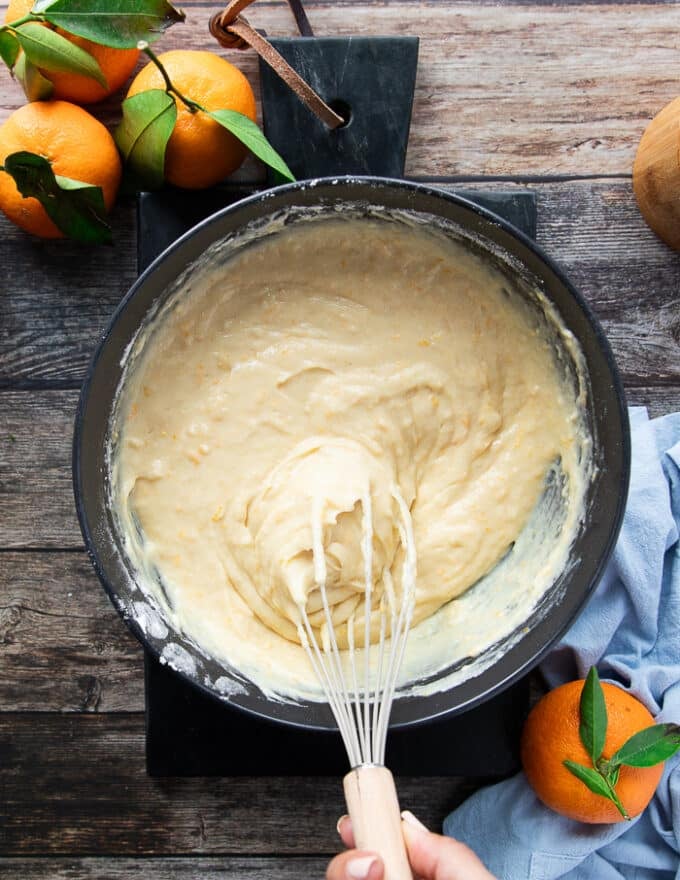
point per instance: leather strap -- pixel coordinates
(232, 31)
(301, 19)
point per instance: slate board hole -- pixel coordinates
(343, 109)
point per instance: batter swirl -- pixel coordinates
(328, 361)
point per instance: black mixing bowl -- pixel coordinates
(606, 411)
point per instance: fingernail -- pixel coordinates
(358, 868)
(411, 820)
(340, 821)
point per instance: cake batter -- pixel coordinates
(329, 360)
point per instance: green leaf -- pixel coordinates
(76, 208)
(35, 85)
(142, 137)
(592, 778)
(596, 783)
(9, 48)
(613, 776)
(118, 23)
(593, 716)
(252, 137)
(50, 51)
(649, 747)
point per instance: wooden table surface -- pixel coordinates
(550, 97)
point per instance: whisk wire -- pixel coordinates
(345, 724)
(334, 673)
(332, 652)
(378, 678)
(400, 623)
(362, 714)
(356, 704)
(367, 552)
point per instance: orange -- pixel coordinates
(200, 151)
(77, 145)
(551, 735)
(116, 64)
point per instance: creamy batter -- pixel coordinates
(331, 360)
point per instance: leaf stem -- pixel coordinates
(615, 798)
(192, 106)
(13, 25)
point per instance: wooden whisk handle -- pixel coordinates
(372, 803)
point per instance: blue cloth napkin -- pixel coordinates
(630, 629)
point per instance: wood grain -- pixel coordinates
(36, 495)
(187, 868)
(603, 71)
(55, 302)
(63, 647)
(58, 299)
(76, 785)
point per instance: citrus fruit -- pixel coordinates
(200, 151)
(551, 736)
(75, 143)
(116, 64)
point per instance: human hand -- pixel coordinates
(432, 856)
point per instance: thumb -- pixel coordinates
(355, 865)
(434, 857)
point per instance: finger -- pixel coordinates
(355, 865)
(346, 831)
(434, 857)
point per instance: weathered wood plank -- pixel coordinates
(630, 279)
(36, 496)
(63, 647)
(58, 299)
(500, 89)
(659, 401)
(54, 296)
(76, 785)
(36, 499)
(208, 868)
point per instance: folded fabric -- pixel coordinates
(630, 629)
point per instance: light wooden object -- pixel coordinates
(656, 174)
(376, 819)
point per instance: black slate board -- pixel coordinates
(369, 81)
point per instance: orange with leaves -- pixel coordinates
(77, 147)
(200, 151)
(116, 64)
(573, 751)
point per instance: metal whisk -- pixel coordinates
(362, 710)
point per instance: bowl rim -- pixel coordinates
(323, 184)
